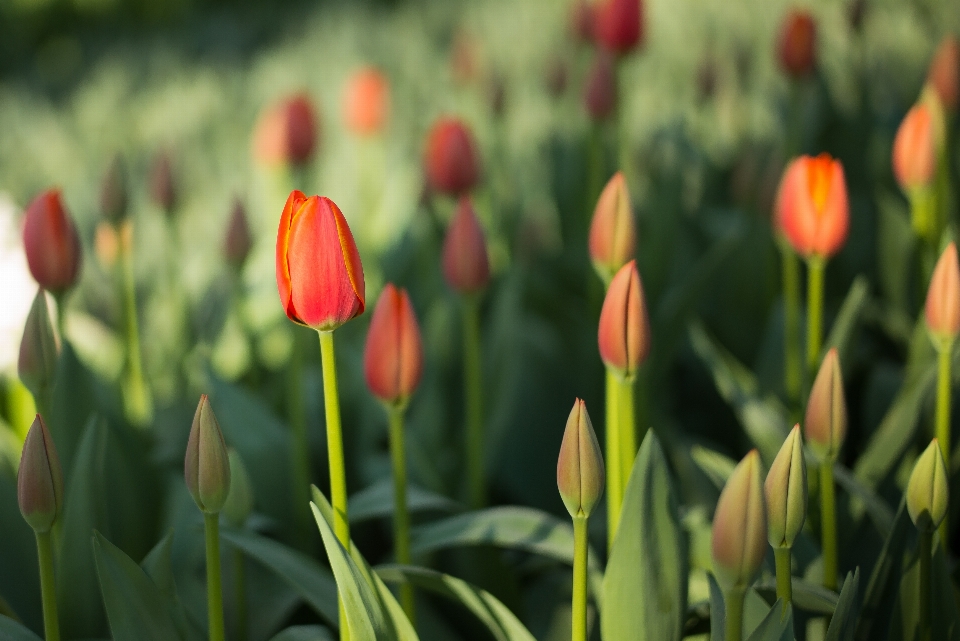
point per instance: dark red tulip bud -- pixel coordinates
(797, 46)
(238, 241)
(113, 192)
(618, 25)
(465, 263)
(162, 188)
(600, 95)
(51, 243)
(287, 133)
(451, 161)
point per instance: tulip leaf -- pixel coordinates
(135, 608)
(718, 610)
(377, 501)
(877, 509)
(718, 467)
(157, 565)
(844, 621)
(848, 317)
(945, 614)
(303, 633)
(11, 630)
(502, 624)
(645, 585)
(882, 594)
(807, 596)
(776, 626)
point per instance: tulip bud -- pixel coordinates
(600, 95)
(556, 77)
(393, 357)
(319, 274)
(162, 188)
(624, 333)
(944, 73)
(797, 44)
(825, 425)
(239, 503)
(927, 490)
(914, 153)
(739, 540)
(612, 235)
(37, 364)
(581, 21)
(51, 243)
(618, 25)
(366, 102)
(786, 492)
(237, 242)
(497, 94)
(39, 479)
(450, 160)
(580, 472)
(811, 207)
(287, 132)
(206, 466)
(113, 192)
(942, 310)
(465, 263)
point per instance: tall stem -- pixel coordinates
(790, 271)
(734, 605)
(211, 531)
(299, 443)
(472, 394)
(579, 605)
(137, 401)
(594, 170)
(926, 550)
(828, 524)
(784, 574)
(613, 457)
(628, 431)
(401, 518)
(943, 415)
(240, 593)
(48, 587)
(815, 269)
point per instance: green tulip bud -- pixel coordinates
(39, 479)
(206, 466)
(740, 526)
(927, 493)
(825, 425)
(239, 503)
(786, 492)
(37, 363)
(580, 473)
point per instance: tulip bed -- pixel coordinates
(237, 410)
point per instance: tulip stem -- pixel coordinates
(943, 414)
(926, 551)
(240, 593)
(472, 394)
(628, 431)
(815, 268)
(784, 574)
(790, 270)
(300, 444)
(733, 600)
(211, 531)
(136, 396)
(828, 524)
(48, 587)
(613, 457)
(401, 518)
(579, 605)
(594, 170)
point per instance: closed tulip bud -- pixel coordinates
(582, 21)
(51, 243)
(612, 234)
(393, 357)
(811, 207)
(450, 160)
(618, 25)
(113, 192)
(39, 479)
(556, 77)
(366, 102)
(465, 263)
(914, 150)
(739, 539)
(944, 73)
(797, 45)
(942, 310)
(206, 466)
(37, 364)
(287, 132)
(239, 503)
(600, 93)
(163, 190)
(785, 491)
(825, 424)
(237, 242)
(319, 274)
(927, 490)
(624, 333)
(580, 471)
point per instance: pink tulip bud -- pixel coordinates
(37, 364)
(739, 538)
(825, 425)
(944, 73)
(451, 161)
(942, 310)
(914, 150)
(51, 243)
(238, 241)
(39, 479)
(797, 44)
(393, 357)
(624, 333)
(812, 209)
(600, 96)
(580, 471)
(206, 466)
(465, 263)
(612, 230)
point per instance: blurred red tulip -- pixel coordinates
(942, 310)
(624, 332)
(797, 46)
(163, 191)
(39, 479)
(238, 241)
(287, 132)
(812, 209)
(612, 230)
(465, 263)
(618, 25)
(600, 96)
(51, 243)
(113, 191)
(914, 149)
(450, 160)
(582, 20)
(366, 102)
(944, 73)
(319, 274)
(393, 356)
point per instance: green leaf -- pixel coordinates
(135, 607)
(848, 317)
(157, 565)
(10, 630)
(377, 501)
(945, 614)
(718, 467)
(877, 509)
(776, 626)
(844, 621)
(502, 624)
(807, 596)
(882, 593)
(645, 585)
(718, 610)
(303, 633)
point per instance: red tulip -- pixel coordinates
(287, 133)
(451, 159)
(942, 310)
(914, 149)
(319, 274)
(238, 242)
(393, 357)
(612, 234)
(618, 25)
(944, 72)
(600, 95)
(797, 44)
(465, 263)
(366, 102)
(624, 332)
(51, 243)
(812, 209)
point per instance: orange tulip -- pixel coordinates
(797, 44)
(393, 356)
(914, 149)
(812, 209)
(624, 333)
(612, 235)
(319, 274)
(450, 160)
(944, 73)
(465, 263)
(618, 25)
(51, 243)
(942, 310)
(825, 423)
(366, 102)
(287, 132)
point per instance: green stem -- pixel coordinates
(628, 431)
(61, 300)
(48, 587)
(926, 551)
(828, 524)
(613, 457)
(137, 402)
(401, 518)
(579, 605)
(815, 269)
(733, 600)
(594, 170)
(240, 593)
(472, 394)
(943, 415)
(211, 531)
(784, 574)
(792, 372)
(300, 445)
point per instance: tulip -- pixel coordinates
(811, 206)
(37, 363)
(944, 72)
(927, 502)
(163, 190)
(237, 242)
(393, 357)
(785, 491)
(113, 192)
(319, 274)
(51, 243)
(366, 102)
(465, 263)
(914, 151)
(287, 132)
(796, 46)
(624, 334)
(612, 234)
(618, 25)
(942, 310)
(600, 95)
(450, 159)
(582, 21)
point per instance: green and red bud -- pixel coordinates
(739, 539)
(113, 192)
(580, 471)
(927, 490)
(239, 503)
(624, 332)
(825, 425)
(612, 230)
(238, 241)
(206, 466)
(39, 479)
(51, 243)
(393, 356)
(785, 491)
(37, 363)
(942, 310)
(465, 262)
